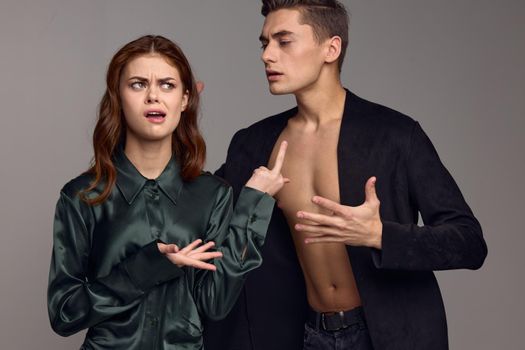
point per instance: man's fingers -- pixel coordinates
(320, 218)
(280, 158)
(313, 230)
(328, 204)
(324, 240)
(370, 190)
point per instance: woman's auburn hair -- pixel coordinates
(187, 142)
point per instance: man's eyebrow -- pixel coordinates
(275, 35)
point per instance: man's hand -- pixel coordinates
(191, 255)
(270, 181)
(356, 226)
(200, 86)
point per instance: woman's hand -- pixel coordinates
(270, 181)
(191, 255)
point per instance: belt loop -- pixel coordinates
(361, 319)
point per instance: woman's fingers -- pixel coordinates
(206, 256)
(192, 255)
(191, 246)
(167, 248)
(198, 264)
(203, 248)
(280, 158)
(197, 260)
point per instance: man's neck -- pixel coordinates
(321, 103)
(150, 158)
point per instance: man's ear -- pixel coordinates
(333, 49)
(200, 86)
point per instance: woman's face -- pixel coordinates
(152, 98)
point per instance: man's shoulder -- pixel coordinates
(265, 125)
(274, 120)
(379, 116)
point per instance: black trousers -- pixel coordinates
(353, 337)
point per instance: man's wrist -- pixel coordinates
(377, 236)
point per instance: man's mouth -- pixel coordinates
(273, 75)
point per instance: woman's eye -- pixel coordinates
(167, 86)
(137, 85)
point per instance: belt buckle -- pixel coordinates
(340, 318)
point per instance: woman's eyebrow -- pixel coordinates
(136, 77)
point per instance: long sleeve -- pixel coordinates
(239, 235)
(74, 301)
(451, 237)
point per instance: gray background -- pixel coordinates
(456, 66)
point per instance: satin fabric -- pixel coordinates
(401, 298)
(108, 275)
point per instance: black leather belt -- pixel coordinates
(334, 321)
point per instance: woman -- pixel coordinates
(129, 261)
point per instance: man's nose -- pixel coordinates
(268, 55)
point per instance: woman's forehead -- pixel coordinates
(151, 64)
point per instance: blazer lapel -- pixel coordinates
(352, 153)
(271, 136)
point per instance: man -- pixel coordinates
(343, 251)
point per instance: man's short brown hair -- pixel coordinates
(327, 18)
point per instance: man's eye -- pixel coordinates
(284, 43)
(167, 86)
(137, 85)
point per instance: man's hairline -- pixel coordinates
(301, 9)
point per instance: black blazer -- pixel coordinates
(401, 298)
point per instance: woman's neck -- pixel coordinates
(150, 158)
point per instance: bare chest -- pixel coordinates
(311, 166)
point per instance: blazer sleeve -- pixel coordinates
(220, 172)
(232, 152)
(451, 237)
(239, 235)
(75, 301)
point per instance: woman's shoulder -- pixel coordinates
(208, 184)
(77, 185)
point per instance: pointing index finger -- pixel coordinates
(280, 158)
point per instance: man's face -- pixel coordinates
(291, 54)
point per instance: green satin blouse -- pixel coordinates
(108, 275)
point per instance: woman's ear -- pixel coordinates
(185, 99)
